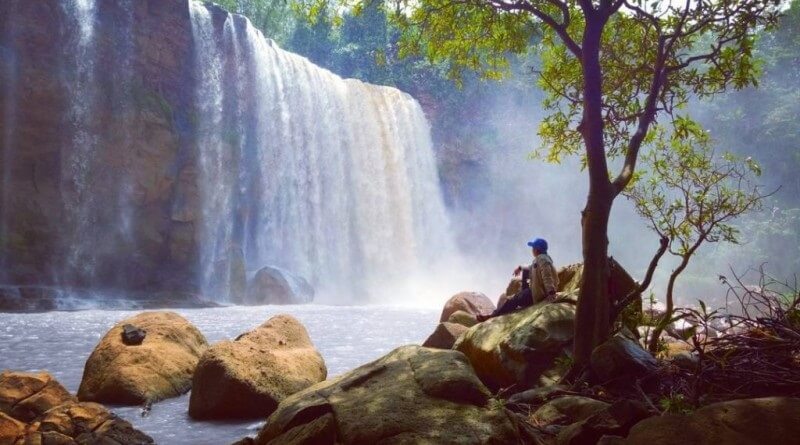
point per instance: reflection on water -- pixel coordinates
(60, 342)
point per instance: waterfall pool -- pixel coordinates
(346, 336)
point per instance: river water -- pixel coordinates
(346, 336)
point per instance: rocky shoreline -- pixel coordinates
(499, 381)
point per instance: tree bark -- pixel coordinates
(593, 310)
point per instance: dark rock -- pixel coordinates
(616, 420)
(131, 335)
(272, 285)
(621, 358)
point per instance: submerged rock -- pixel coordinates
(411, 395)
(770, 420)
(445, 336)
(160, 367)
(248, 377)
(470, 302)
(520, 349)
(271, 285)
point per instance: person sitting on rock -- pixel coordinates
(543, 282)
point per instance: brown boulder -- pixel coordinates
(445, 336)
(26, 396)
(470, 302)
(770, 420)
(411, 395)
(10, 429)
(248, 377)
(567, 409)
(84, 423)
(159, 368)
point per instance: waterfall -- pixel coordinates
(334, 180)
(77, 191)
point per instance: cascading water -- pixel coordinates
(331, 179)
(175, 149)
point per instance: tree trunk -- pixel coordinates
(592, 315)
(593, 311)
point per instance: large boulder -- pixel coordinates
(411, 395)
(159, 368)
(248, 377)
(271, 285)
(770, 420)
(470, 302)
(11, 429)
(520, 349)
(445, 335)
(25, 396)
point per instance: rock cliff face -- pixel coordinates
(95, 143)
(166, 145)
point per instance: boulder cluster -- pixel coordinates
(492, 382)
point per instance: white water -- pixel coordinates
(77, 191)
(334, 180)
(60, 342)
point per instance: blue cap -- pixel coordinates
(538, 244)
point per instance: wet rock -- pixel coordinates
(445, 335)
(770, 420)
(470, 302)
(462, 318)
(520, 349)
(159, 368)
(615, 420)
(85, 423)
(272, 285)
(411, 395)
(248, 377)
(131, 335)
(36, 409)
(25, 395)
(621, 358)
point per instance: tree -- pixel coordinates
(611, 69)
(690, 197)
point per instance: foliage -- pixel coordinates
(609, 69)
(273, 17)
(690, 197)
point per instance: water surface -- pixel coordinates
(346, 336)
